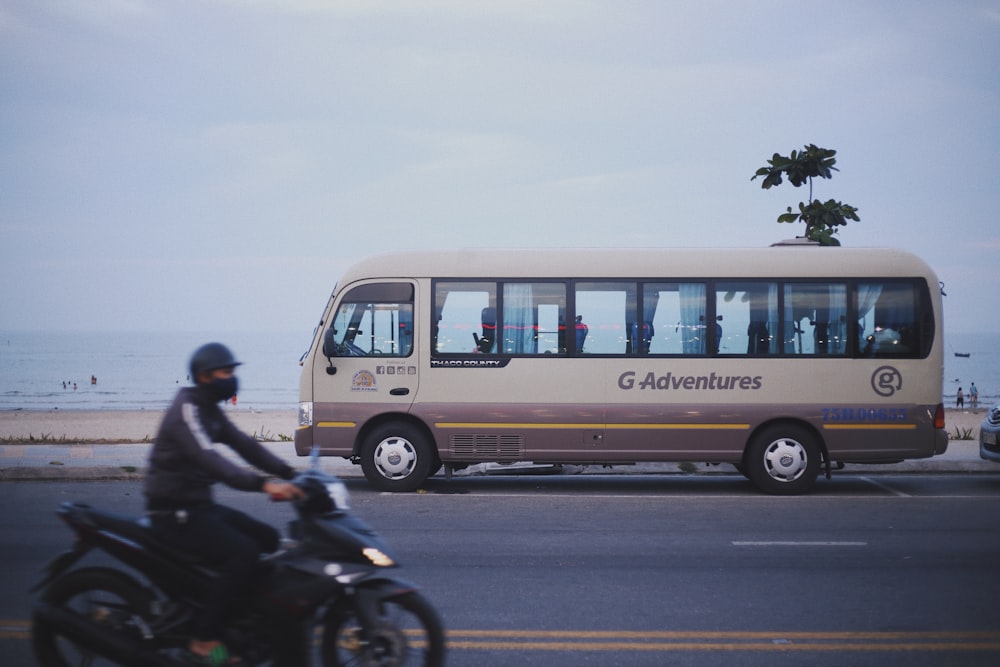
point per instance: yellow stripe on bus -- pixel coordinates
(336, 424)
(870, 427)
(716, 427)
(618, 427)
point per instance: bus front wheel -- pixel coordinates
(783, 460)
(396, 457)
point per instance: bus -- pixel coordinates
(783, 361)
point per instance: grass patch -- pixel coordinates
(48, 439)
(963, 434)
(267, 436)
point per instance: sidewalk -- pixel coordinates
(128, 461)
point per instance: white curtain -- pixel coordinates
(519, 319)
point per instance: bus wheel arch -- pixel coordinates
(397, 453)
(784, 457)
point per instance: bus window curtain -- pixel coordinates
(762, 333)
(692, 324)
(868, 295)
(518, 319)
(649, 303)
(837, 333)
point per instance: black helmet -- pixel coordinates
(210, 357)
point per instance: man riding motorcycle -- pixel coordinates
(184, 464)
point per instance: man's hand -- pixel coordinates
(283, 490)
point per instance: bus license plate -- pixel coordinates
(989, 438)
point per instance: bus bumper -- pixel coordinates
(940, 442)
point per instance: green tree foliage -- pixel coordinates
(821, 218)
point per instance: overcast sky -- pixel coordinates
(215, 165)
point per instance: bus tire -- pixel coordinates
(397, 457)
(783, 460)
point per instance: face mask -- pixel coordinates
(222, 389)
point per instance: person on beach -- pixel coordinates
(960, 399)
(973, 396)
(184, 464)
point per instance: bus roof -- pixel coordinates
(793, 260)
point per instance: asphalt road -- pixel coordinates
(647, 570)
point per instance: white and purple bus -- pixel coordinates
(785, 361)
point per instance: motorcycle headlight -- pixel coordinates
(378, 557)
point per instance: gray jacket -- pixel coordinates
(184, 462)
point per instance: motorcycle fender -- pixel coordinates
(386, 587)
(368, 595)
(58, 565)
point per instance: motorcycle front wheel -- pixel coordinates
(106, 598)
(409, 634)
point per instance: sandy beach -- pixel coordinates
(141, 425)
(127, 425)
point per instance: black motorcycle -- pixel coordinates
(325, 598)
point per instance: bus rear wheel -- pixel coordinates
(397, 457)
(783, 460)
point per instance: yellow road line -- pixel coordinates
(14, 629)
(722, 634)
(785, 647)
(602, 640)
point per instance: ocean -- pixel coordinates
(982, 366)
(139, 371)
(142, 371)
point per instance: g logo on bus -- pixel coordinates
(886, 381)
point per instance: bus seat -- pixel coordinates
(489, 323)
(647, 337)
(758, 340)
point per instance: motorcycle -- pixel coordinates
(325, 598)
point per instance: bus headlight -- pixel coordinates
(306, 413)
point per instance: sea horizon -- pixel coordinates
(135, 370)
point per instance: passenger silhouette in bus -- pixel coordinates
(581, 333)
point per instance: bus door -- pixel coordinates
(368, 352)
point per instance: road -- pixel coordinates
(642, 570)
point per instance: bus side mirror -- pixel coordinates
(330, 349)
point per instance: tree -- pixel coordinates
(822, 218)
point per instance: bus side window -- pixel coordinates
(532, 317)
(750, 310)
(466, 317)
(888, 324)
(675, 316)
(815, 319)
(611, 309)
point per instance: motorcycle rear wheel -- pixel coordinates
(410, 634)
(102, 596)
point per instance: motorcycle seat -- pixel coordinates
(136, 529)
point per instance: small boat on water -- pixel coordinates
(963, 354)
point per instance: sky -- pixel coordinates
(215, 165)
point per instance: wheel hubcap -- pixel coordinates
(785, 460)
(395, 458)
